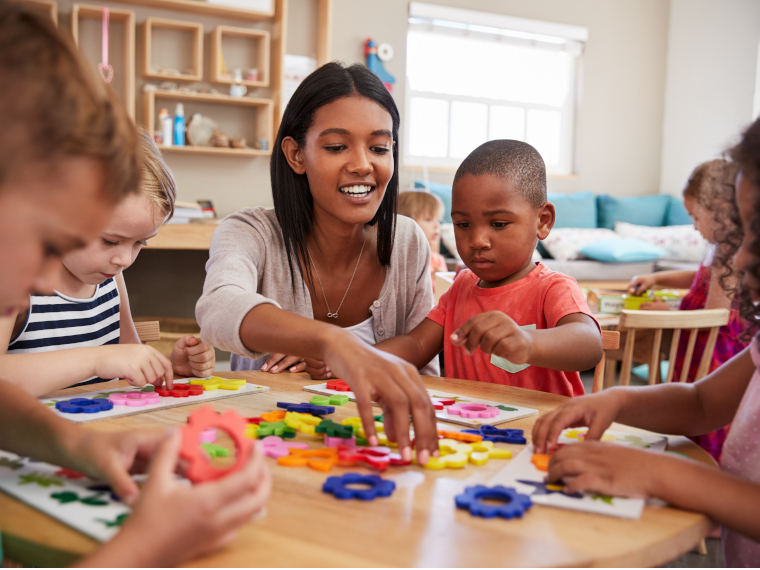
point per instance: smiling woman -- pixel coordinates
(330, 270)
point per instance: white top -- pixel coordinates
(364, 331)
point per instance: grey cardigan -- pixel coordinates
(248, 266)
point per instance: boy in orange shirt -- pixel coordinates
(507, 320)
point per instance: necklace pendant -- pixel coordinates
(332, 315)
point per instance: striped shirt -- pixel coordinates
(57, 322)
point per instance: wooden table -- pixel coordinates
(417, 526)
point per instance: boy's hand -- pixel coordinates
(495, 333)
(191, 357)
(597, 411)
(607, 468)
(317, 369)
(138, 364)
(640, 284)
(281, 362)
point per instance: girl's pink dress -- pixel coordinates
(741, 457)
(728, 345)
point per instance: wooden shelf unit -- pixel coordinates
(264, 119)
(127, 18)
(201, 8)
(262, 39)
(165, 24)
(45, 6)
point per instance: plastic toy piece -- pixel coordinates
(274, 416)
(84, 406)
(305, 423)
(336, 441)
(306, 408)
(256, 421)
(275, 446)
(541, 461)
(543, 488)
(209, 435)
(452, 461)
(338, 385)
(506, 408)
(440, 403)
(378, 458)
(514, 506)
(69, 474)
(251, 431)
(461, 435)
(214, 450)
(490, 433)
(332, 429)
(180, 391)
(275, 428)
(215, 383)
(199, 469)
(319, 459)
(333, 400)
(378, 487)
(135, 399)
(473, 410)
(356, 423)
(580, 435)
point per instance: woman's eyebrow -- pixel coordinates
(338, 131)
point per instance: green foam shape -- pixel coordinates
(40, 479)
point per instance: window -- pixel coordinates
(474, 77)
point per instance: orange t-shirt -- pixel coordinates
(542, 298)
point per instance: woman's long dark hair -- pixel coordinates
(293, 202)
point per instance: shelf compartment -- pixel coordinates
(46, 7)
(196, 51)
(204, 9)
(125, 86)
(261, 38)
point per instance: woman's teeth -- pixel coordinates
(356, 191)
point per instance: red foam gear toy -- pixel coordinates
(199, 468)
(180, 391)
(350, 456)
(338, 385)
(256, 421)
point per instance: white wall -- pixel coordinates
(710, 85)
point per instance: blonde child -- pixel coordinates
(426, 209)
(85, 331)
(709, 197)
(68, 155)
(731, 394)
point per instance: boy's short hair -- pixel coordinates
(53, 105)
(511, 160)
(418, 203)
(157, 178)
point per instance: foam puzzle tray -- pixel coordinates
(506, 412)
(163, 403)
(526, 478)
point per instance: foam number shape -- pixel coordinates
(332, 429)
(199, 469)
(514, 505)
(274, 416)
(216, 383)
(541, 461)
(306, 408)
(275, 428)
(490, 433)
(460, 435)
(83, 406)
(318, 459)
(332, 400)
(378, 487)
(473, 410)
(135, 399)
(305, 423)
(180, 391)
(275, 446)
(338, 386)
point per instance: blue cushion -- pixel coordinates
(639, 210)
(443, 191)
(623, 250)
(574, 210)
(677, 214)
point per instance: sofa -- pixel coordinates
(605, 238)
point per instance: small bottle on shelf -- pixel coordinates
(179, 125)
(164, 131)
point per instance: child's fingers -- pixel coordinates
(317, 369)
(198, 349)
(164, 460)
(121, 481)
(242, 508)
(201, 357)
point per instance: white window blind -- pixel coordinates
(474, 77)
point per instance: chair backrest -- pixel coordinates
(148, 331)
(610, 341)
(678, 321)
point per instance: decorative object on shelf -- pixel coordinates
(149, 87)
(252, 75)
(104, 68)
(238, 142)
(166, 122)
(200, 130)
(167, 86)
(220, 139)
(254, 72)
(375, 64)
(262, 144)
(238, 89)
(179, 125)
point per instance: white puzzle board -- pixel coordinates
(521, 469)
(119, 411)
(48, 489)
(507, 412)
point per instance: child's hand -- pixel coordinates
(607, 468)
(495, 333)
(191, 357)
(597, 411)
(281, 362)
(641, 284)
(657, 305)
(138, 364)
(173, 522)
(317, 369)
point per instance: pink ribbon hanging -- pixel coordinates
(104, 68)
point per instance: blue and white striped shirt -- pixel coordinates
(56, 322)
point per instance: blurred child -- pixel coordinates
(426, 209)
(68, 155)
(731, 394)
(506, 320)
(84, 331)
(709, 197)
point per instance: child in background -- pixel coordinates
(731, 394)
(68, 154)
(85, 331)
(709, 197)
(506, 320)
(426, 209)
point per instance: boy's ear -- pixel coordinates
(546, 217)
(294, 155)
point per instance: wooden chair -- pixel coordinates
(148, 331)
(610, 341)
